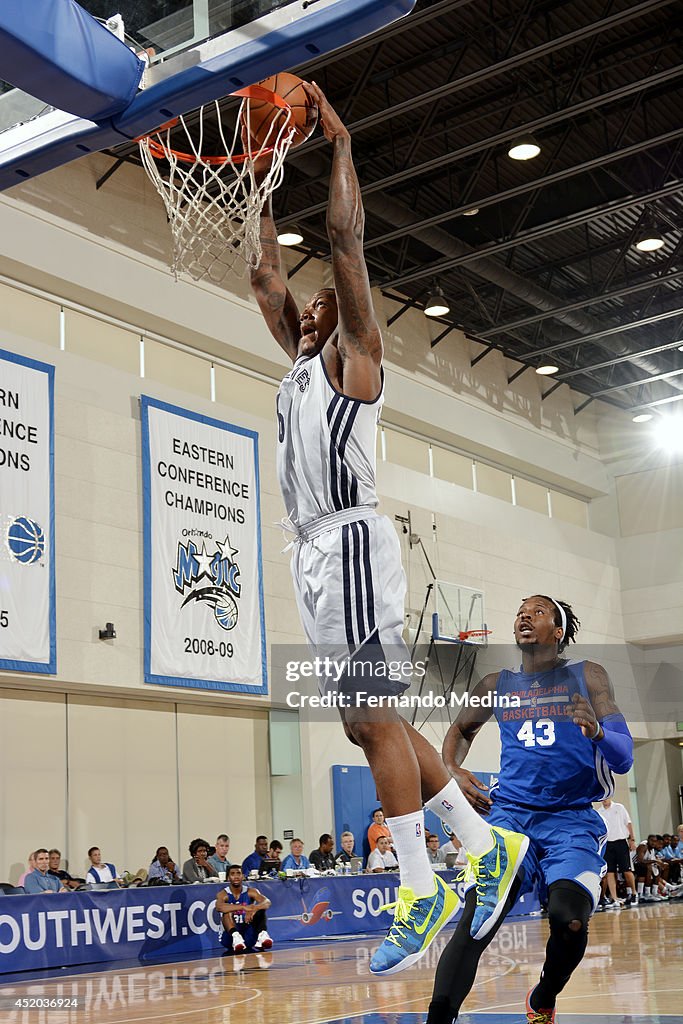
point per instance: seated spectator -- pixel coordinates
(163, 867)
(677, 842)
(381, 858)
(40, 880)
(198, 868)
(660, 867)
(322, 859)
(295, 860)
(453, 845)
(98, 871)
(377, 829)
(55, 860)
(243, 913)
(347, 851)
(254, 862)
(433, 853)
(642, 869)
(219, 859)
(274, 858)
(667, 853)
(31, 861)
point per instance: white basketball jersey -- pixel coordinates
(326, 444)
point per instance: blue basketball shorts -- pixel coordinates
(566, 845)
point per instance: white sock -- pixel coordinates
(408, 833)
(454, 808)
(629, 892)
(640, 887)
(653, 890)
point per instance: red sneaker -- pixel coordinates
(538, 1016)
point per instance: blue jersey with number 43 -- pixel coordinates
(546, 761)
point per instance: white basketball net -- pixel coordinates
(214, 203)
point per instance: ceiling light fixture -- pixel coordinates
(650, 235)
(524, 148)
(472, 212)
(668, 433)
(546, 371)
(437, 303)
(642, 417)
(290, 236)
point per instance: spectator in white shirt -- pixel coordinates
(99, 871)
(620, 843)
(381, 858)
(453, 846)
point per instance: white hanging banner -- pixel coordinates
(204, 616)
(27, 516)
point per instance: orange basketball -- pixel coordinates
(264, 116)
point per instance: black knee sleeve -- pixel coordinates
(568, 902)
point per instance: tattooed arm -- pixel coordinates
(589, 714)
(601, 721)
(272, 294)
(360, 342)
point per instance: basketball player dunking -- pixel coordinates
(346, 565)
(559, 749)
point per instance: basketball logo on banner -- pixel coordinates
(25, 540)
(204, 616)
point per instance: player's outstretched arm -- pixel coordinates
(601, 721)
(459, 739)
(360, 341)
(272, 294)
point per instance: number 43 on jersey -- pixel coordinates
(541, 732)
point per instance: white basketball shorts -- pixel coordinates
(350, 589)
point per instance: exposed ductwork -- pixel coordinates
(397, 214)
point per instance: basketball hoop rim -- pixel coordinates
(161, 152)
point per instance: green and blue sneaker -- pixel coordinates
(493, 874)
(417, 922)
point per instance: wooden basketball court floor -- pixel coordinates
(632, 974)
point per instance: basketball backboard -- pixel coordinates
(459, 614)
(198, 51)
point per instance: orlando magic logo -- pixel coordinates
(303, 379)
(212, 576)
